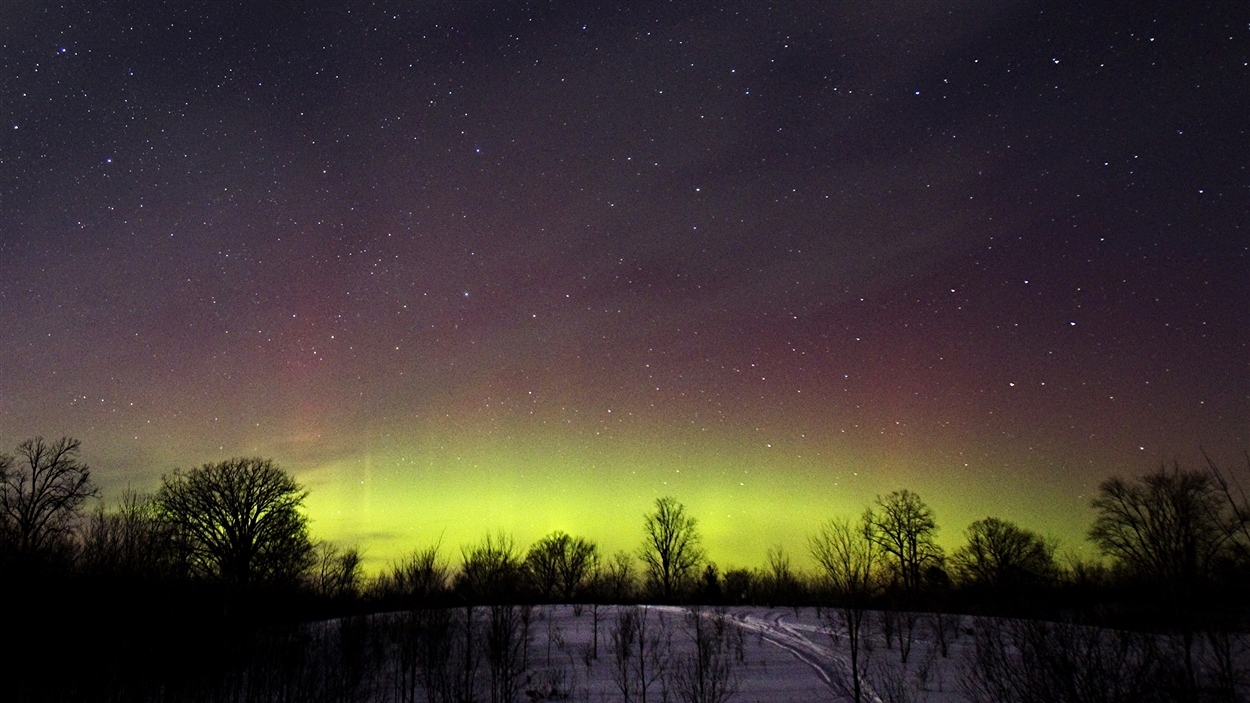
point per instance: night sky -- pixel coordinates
(469, 266)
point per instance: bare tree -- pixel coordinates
(508, 650)
(41, 495)
(624, 636)
(562, 566)
(1227, 646)
(782, 583)
(902, 525)
(1000, 553)
(1034, 661)
(430, 652)
(848, 559)
(543, 560)
(337, 572)
(614, 580)
(238, 521)
(708, 674)
(671, 551)
(419, 579)
(904, 624)
(1236, 524)
(617, 580)
(129, 541)
(1169, 528)
(641, 648)
(945, 629)
(1166, 526)
(493, 570)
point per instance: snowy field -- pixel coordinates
(658, 654)
(775, 654)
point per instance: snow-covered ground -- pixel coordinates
(661, 654)
(774, 654)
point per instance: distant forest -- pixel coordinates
(170, 595)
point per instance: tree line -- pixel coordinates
(225, 547)
(239, 526)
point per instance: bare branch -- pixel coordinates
(41, 498)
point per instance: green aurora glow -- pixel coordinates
(471, 267)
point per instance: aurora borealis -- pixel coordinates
(463, 267)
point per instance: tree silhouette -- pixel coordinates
(40, 497)
(1167, 526)
(671, 550)
(337, 572)
(131, 541)
(1236, 526)
(1001, 553)
(848, 560)
(493, 571)
(902, 525)
(616, 579)
(1036, 661)
(562, 565)
(419, 579)
(780, 581)
(641, 649)
(238, 521)
(709, 673)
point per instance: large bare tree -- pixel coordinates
(1001, 553)
(671, 550)
(239, 521)
(41, 493)
(1168, 526)
(562, 565)
(902, 525)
